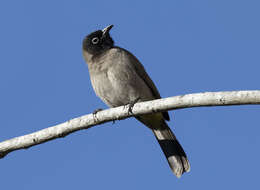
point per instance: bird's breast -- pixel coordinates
(113, 86)
(117, 83)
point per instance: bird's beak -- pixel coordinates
(107, 29)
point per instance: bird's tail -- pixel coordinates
(172, 149)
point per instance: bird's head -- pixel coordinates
(99, 41)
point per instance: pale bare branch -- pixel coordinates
(87, 121)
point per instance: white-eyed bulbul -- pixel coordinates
(118, 78)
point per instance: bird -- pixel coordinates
(118, 78)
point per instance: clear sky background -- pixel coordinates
(185, 46)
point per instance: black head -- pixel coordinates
(98, 41)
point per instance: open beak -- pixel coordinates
(107, 29)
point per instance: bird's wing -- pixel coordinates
(138, 67)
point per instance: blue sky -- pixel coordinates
(185, 46)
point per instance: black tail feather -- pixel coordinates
(173, 151)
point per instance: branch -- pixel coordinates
(87, 121)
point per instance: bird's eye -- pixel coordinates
(95, 40)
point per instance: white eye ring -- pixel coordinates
(95, 40)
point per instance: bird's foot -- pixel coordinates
(94, 114)
(131, 105)
(97, 110)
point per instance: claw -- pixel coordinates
(97, 110)
(131, 105)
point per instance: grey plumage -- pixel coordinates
(118, 78)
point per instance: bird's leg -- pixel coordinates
(131, 105)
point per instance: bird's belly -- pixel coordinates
(117, 92)
(113, 93)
